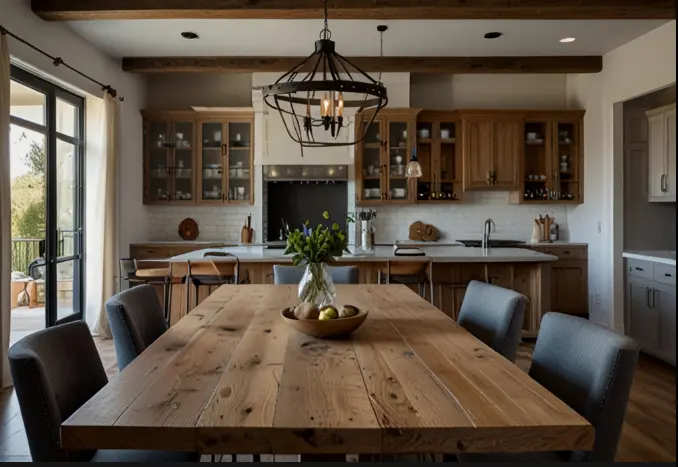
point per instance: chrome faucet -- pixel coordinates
(487, 229)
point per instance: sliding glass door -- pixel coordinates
(47, 133)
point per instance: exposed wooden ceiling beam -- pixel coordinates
(432, 65)
(75, 10)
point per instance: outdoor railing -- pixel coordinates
(24, 251)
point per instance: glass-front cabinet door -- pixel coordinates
(371, 164)
(212, 161)
(537, 175)
(157, 164)
(565, 160)
(239, 157)
(182, 163)
(398, 149)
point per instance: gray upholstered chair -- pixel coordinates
(137, 320)
(283, 275)
(590, 368)
(494, 315)
(55, 372)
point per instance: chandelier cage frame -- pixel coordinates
(328, 65)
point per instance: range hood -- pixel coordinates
(283, 173)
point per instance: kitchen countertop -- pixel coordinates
(656, 256)
(438, 254)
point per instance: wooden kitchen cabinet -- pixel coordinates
(550, 166)
(169, 158)
(226, 159)
(438, 140)
(381, 158)
(662, 154)
(490, 146)
(568, 277)
(198, 157)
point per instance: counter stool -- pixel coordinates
(153, 272)
(211, 273)
(408, 273)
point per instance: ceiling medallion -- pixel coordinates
(316, 93)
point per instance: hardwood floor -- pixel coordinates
(649, 433)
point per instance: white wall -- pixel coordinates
(639, 67)
(443, 92)
(59, 40)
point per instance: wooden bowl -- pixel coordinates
(325, 329)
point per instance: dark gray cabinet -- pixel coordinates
(665, 303)
(643, 319)
(651, 315)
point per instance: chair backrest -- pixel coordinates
(494, 315)
(345, 274)
(127, 267)
(137, 320)
(590, 368)
(55, 372)
(223, 267)
(284, 275)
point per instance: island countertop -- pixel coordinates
(436, 254)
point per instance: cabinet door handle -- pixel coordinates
(223, 149)
(647, 296)
(666, 274)
(639, 269)
(652, 296)
(666, 183)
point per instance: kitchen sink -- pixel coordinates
(492, 243)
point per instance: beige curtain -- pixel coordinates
(5, 211)
(100, 231)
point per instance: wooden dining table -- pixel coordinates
(232, 377)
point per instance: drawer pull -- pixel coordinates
(639, 269)
(666, 274)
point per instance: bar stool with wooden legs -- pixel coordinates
(408, 273)
(154, 272)
(211, 273)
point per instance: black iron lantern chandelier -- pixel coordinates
(311, 95)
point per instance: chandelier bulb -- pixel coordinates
(340, 105)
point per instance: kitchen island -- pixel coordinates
(449, 269)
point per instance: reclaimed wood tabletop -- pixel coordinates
(231, 377)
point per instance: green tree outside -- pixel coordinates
(28, 196)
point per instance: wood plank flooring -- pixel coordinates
(649, 433)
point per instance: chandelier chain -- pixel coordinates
(381, 50)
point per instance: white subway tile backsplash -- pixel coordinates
(465, 221)
(462, 221)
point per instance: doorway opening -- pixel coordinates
(46, 171)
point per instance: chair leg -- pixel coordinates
(167, 292)
(187, 284)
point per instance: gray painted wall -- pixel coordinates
(647, 226)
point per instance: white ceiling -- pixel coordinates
(226, 37)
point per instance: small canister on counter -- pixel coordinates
(553, 232)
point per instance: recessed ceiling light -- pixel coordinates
(493, 35)
(189, 35)
(567, 39)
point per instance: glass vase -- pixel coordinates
(316, 285)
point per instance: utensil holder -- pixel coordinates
(366, 235)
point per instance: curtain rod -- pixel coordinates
(56, 61)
